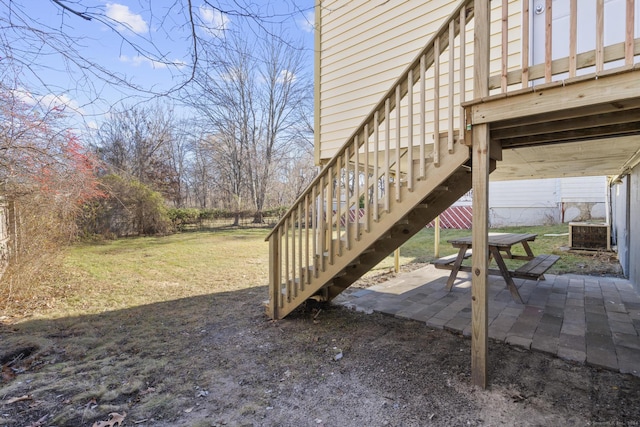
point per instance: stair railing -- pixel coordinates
(513, 70)
(388, 152)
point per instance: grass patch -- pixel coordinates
(131, 272)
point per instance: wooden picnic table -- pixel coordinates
(500, 245)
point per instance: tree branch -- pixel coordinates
(68, 9)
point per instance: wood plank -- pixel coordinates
(480, 257)
(505, 45)
(463, 73)
(460, 257)
(548, 40)
(629, 32)
(608, 131)
(506, 274)
(536, 268)
(322, 231)
(613, 88)
(450, 81)
(423, 117)
(410, 135)
(536, 126)
(274, 276)
(446, 261)
(480, 179)
(387, 142)
(574, 113)
(525, 45)
(398, 172)
(614, 52)
(573, 37)
(436, 102)
(599, 35)
(367, 191)
(356, 184)
(376, 164)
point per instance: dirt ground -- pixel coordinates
(216, 360)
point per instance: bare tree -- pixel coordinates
(27, 44)
(252, 98)
(138, 141)
(200, 173)
(284, 92)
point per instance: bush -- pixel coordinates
(275, 212)
(131, 208)
(182, 217)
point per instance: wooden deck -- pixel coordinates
(584, 126)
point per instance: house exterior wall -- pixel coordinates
(546, 201)
(363, 47)
(525, 202)
(634, 228)
(620, 220)
(625, 197)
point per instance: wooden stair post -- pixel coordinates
(480, 170)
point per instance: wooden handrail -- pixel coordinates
(442, 38)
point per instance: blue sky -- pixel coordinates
(144, 42)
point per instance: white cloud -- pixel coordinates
(215, 22)
(286, 76)
(51, 101)
(48, 102)
(24, 95)
(138, 60)
(308, 22)
(132, 21)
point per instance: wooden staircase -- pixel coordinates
(385, 183)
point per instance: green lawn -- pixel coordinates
(131, 272)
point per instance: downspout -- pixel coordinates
(627, 221)
(607, 204)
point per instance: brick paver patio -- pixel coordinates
(585, 319)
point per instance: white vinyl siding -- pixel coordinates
(526, 193)
(584, 189)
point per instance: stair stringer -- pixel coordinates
(445, 183)
(436, 202)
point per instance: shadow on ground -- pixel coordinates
(217, 360)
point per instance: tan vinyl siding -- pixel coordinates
(364, 47)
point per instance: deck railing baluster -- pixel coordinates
(436, 102)
(410, 130)
(423, 116)
(356, 185)
(396, 179)
(376, 177)
(387, 138)
(599, 36)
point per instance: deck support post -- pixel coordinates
(274, 277)
(480, 167)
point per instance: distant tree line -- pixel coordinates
(232, 138)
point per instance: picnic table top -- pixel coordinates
(496, 239)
